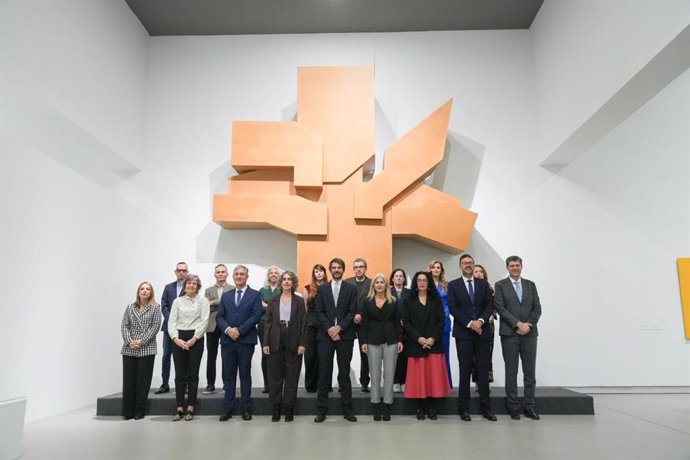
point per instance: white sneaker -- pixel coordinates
(396, 388)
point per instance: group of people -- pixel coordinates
(403, 337)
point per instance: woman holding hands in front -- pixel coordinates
(284, 345)
(423, 321)
(381, 338)
(186, 326)
(140, 325)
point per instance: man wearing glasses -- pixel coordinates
(171, 292)
(362, 283)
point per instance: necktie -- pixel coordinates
(336, 292)
(518, 290)
(239, 297)
(470, 289)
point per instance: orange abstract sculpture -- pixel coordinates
(307, 177)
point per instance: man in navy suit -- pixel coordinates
(238, 314)
(517, 303)
(471, 303)
(170, 293)
(335, 311)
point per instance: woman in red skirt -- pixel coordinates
(423, 321)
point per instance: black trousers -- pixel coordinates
(364, 377)
(187, 363)
(311, 361)
(264, 361)
(212, 345)
(343, 351)
(284, 367)
(136, 383)
(473, 352)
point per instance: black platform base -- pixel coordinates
(550, 400)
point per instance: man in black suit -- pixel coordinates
(471, 303)
(517, 303)
(335, 310)
(238, 314)
(170, 293)
(362, 283)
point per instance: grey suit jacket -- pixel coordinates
(211, 294)
(511, 310)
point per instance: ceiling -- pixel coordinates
(242, 17)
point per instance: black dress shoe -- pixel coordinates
(514, 415)
(420, 414)
(465, 416)
(210, 389)
(320, 418)
(138, 417)
(265, 390)
(289, 413)
(431, 413)
(225, 417)
(165, 388)
(127, 417)
(350, 418)
(246, 416)
(365, 389)
(276, 413)
(529, 413)
(490, 416)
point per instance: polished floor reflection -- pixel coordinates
(626, 426)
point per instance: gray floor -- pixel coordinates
(626, 426)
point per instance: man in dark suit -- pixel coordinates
(362, 283)
(517, 303)
(213, 333)
(170, 293)
(335, 310)
(471, 303)
(238, 313)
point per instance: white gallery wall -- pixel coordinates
(110, 155)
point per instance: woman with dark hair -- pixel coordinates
(186, 325)
(270, 291)
(399, 292)
(439, 277)
(140, 325)
(380, 336)
(284, 345)
(311, 359)
(423, 318)
(480, 272)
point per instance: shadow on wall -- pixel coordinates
(458, 173)
(412, 256)
(262, 247)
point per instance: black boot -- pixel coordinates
(276, 413)
(289, 413)
(421, 413)
(376, 410)
(386, 412)
(431, 409)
